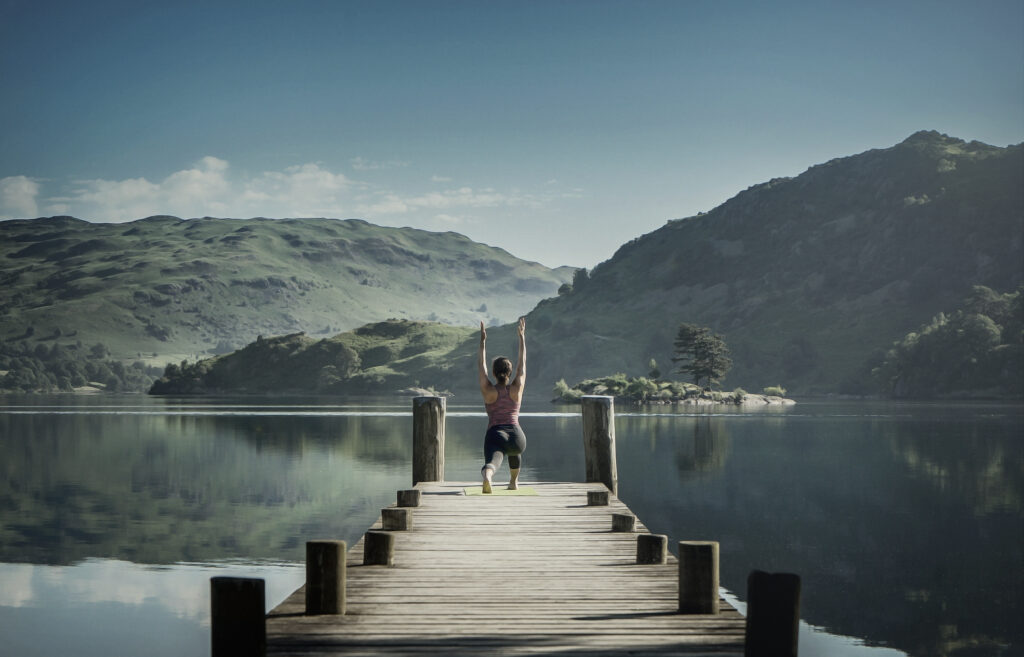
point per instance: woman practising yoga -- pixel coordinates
(502, 400)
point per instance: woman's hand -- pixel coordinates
(483, 333)
(521, 329)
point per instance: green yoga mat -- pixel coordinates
(499, 490)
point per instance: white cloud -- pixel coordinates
(298, 191)
(212, 187)
(18, 198)
(440, 179)
(209, 188)
(463, 197)
(362, 164)
(201, 190)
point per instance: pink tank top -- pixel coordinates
(503, 410)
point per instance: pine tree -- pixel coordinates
(701, 353)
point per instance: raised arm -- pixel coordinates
(519, 383)
(486, 389)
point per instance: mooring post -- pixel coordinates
(378, 549)
(427, 439)
(325, 577)
(773, 614)
(238, 616)
(599, 440)
(623, 522)
(396, 518)
(651, 548)
(698, 577)
(410, 497)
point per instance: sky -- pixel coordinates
(557, 130)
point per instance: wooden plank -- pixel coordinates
(508, 575)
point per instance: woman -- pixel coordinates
(502, 400)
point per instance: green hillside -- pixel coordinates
(809, 279)
(162, 289)
(379, 358)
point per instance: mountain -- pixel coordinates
(165, 288)
(808, 279)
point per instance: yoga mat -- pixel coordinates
(499, 490)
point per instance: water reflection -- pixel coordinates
(905, 522)
(906, 527)
(977, 467)
(57, 610)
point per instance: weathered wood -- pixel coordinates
(575, 587)
(698, 577)
(651, 548)
(623, 522)
(599, 440)
(410, 497)
(378, 549)
(597, 498)
(238, 623)
(325, 577)
(773, 614)
(428, 424)
(396, 519)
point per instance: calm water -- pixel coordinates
(904, 521)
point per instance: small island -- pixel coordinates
(642, 390)
(699, 353)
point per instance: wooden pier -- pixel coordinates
(508, 575)
(564, 570)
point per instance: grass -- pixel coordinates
(182, 289)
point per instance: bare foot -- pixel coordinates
(488, 473)
(513, 485)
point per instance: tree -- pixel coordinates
(701, 353)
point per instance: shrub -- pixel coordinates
(640, 389)
(564, 393)
(774, 391)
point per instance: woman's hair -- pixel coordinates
(502, 368)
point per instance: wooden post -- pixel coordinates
(238, 616)
(378, 549)
(599, 440)
(773, 614)
(410, 497)
(623, 522)
(396, 519)
(325, 577)
(597, 498)
(698, 577)
(427, 439)
(651, 548)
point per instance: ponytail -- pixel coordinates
(502, 368)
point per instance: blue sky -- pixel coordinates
(558, 130)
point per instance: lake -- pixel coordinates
(905, 521)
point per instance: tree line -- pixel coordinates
(977, 349)
(63, 367)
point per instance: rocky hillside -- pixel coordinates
(809, 279)
(163, 288)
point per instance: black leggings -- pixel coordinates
(504, 439)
